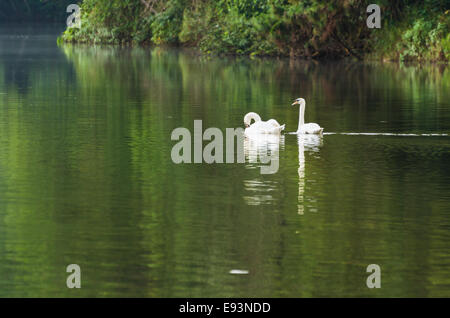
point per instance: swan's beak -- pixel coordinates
(294, 103)
(247, 125)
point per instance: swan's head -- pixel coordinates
(298, 101)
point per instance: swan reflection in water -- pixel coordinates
(262, 145)
(305, 143)
(262, 151)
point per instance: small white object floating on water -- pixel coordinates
(239, 272)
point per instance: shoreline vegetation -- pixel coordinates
(411, 30)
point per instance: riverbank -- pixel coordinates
(413, 30)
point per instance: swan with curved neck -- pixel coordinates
(310, 128)
(261, 127)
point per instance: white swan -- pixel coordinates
(311, 128)
(261, 127)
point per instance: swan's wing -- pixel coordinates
(264, 127)
(273, 123)
(311, 128)
(275, 130)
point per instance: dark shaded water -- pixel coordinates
(86, 175)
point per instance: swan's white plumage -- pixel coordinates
(310, 128)
(261, 127)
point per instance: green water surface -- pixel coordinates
(86, 175)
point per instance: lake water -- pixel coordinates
(86, 175)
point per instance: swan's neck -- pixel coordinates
(301, 115)
(248, 118)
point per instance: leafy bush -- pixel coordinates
(417, 29)
(166, 25)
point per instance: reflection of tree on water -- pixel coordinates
(308, 143)
(27, 51)
(257, 149)
(16, 73)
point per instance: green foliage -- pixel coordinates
(445, 43)
(234, 33)
(166, 25)
(417, 29)
(273, 27)
(419, 38)
(420, 35)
